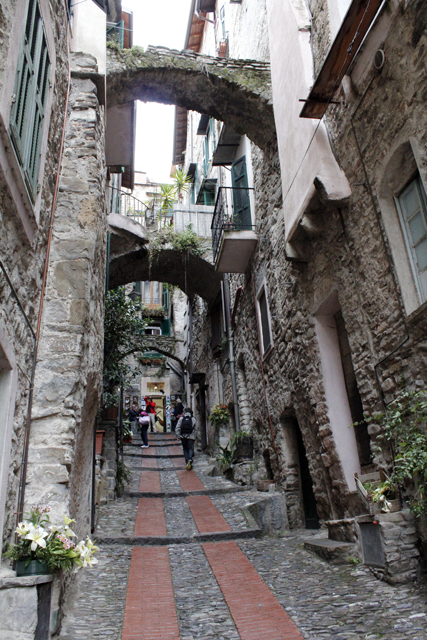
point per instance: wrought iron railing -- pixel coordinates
(226, 217)
(127, 205)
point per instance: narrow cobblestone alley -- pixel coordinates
(178, 561)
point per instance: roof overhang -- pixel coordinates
(353, 30)
(226, 148)
(193, 41)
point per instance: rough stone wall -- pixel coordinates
(25, 261)
(69, 367)
(352, 256)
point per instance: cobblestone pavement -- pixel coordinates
(173, 566)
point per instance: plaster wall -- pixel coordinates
(89, 29)
(304, 149)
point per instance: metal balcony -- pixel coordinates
(127, 205)
(233, 234)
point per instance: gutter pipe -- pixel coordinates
(226, 290)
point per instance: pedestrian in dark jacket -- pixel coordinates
(186, 431)
(178, 410)
(133, 417)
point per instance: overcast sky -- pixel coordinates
(157, 23)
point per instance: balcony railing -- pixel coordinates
(127, 205)
(232, 213)
(115, 32)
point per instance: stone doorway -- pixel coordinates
(297, 482)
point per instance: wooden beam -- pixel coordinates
(354, 28)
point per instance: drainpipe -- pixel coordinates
(226, 289)
(197, 12)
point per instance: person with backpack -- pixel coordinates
(144, 423)
(186, 431)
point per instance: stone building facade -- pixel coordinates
(329, 312)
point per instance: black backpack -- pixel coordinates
(187, 426)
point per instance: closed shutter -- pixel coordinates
(30, 97)
(242, 205)
(166, 327)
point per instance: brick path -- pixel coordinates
(174, 566)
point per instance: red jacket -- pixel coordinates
(150, 406)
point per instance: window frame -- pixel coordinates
(265, 350)
(28, 211)
(410, 248)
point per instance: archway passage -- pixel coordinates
(237, 92)
(192, 274)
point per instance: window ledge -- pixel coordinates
(415, 315)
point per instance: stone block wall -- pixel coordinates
(69, 366)
(351, 256)
(24, 256)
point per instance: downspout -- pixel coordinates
(24, 464)
(197, 12)
(229, 329)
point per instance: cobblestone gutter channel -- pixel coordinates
(160, 578)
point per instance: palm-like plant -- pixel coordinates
(182, 182)
(167, 198)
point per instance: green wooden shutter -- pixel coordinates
(166, 327)
(30, 97)
(242, 205)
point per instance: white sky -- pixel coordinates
(157, 23)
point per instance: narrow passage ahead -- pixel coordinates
(178, 561)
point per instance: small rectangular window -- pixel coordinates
(264, 318)
(30, 97)
(412, 208)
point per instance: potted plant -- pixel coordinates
(219, 415)
(44, 548)
(127, 431)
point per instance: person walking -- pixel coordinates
(150, 408)
(133, 417)
(186, 431)
(178, 410)
(144, 423)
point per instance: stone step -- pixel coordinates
(157, 541)
(333, 551)
(156, 455)
(184, 494)
(153, 443)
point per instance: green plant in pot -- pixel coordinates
(44, 547)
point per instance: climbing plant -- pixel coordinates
(404, 430)
(123, 328)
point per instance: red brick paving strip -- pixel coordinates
(150, 481)
(150, 607)
(150, 517)
(256, 612)
(189, 481)
(206, 516)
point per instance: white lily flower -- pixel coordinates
(37, 535)
(89, 561)
(69, 532)
(22, 528)
(67, 520)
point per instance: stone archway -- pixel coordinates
(237, 92)
(191, 273)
